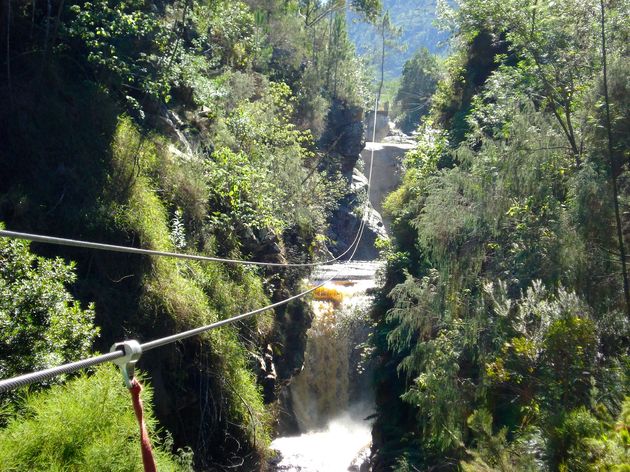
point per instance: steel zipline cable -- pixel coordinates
(39, 238)
(16, 382)
(42, 375)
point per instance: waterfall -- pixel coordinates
(331, 397)
(320, 391)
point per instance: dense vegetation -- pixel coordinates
(229, 128)
(418, 82)
(42, 325)
(502, 329)
(99, 434)
(193, 126)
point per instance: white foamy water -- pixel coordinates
(334, 449)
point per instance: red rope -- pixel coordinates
(145, 442)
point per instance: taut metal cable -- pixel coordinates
(22, 380)
(16, 382)
(39, 238)
(39, 376)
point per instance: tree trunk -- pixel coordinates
(8, 47)
(611, 163)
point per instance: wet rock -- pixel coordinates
(383, 127)
(347, 218)
(361, 463)
(266, 374)
(274, 461)
(264, 244)
(170, 124)
(386, 168)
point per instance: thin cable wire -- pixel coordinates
(39, 238)
(20, 381)
(16, 382)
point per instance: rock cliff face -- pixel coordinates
(382, 125)
(347, 219)
(386, 169)
(343, 141)
(344, 137)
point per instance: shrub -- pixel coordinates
(41, 324)
(186, 293)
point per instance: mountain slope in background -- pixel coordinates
(416, 18)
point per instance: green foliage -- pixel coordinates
(122, 42)
(506, 225)
(611, 450)
(241, 192)
(570, 347)
(569, 436)
(178, 127)
(227, 33)
(369, 8)
(493, 452)
(87, 424)
(549, 361)
(325, 61)
(188, 294)
(438, 394)
(419, 80)
(266, 182)
(41, 324)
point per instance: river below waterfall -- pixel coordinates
(331, 397)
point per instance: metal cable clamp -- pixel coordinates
(132, 350)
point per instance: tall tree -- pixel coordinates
(611, 161)
(418, 82)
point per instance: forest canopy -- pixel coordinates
(503, 325)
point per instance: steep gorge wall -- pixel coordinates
(386, 170)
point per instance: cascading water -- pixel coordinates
(331, 397)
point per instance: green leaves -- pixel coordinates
(504, 213)
(41, 325)
(228, 34)
(87, 424)
(122, 43)
(370, 8)
(419, 80)
(241, 192)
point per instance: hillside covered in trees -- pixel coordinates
(415, 21)
(502, 327)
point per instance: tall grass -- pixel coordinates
(87, 424)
